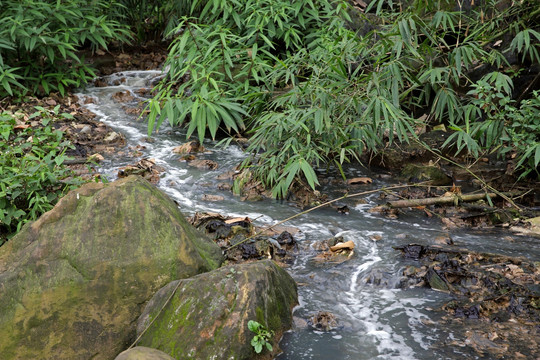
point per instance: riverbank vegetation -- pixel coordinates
(32, 164)
(319, 83)
(315, 84)
(42, 47)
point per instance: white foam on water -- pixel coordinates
(370, 312)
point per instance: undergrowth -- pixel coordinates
(40, 43)
(34, 176)
(313, 93)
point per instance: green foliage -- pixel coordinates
(314, 94)
(261, 338)
(34, 176)
(504, 127)
(451, 46)
(150, 19)
(219, 59)
(332, 113)
(40, 41)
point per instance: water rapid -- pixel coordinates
(377, 320)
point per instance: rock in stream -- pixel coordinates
(73, 283)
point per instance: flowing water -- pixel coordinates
(376, 321)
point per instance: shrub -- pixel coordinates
(315, 94)
(39, 43)
(150, 19)
(34, 176)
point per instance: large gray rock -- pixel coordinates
(73, 283)
(207, 315)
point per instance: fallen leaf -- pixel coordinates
(349, 245)
(189, 147)
(96, 157)
(213, 197)
(233, 220)
(204, 164)
(375, 237)
(123, 96)
(359, 180)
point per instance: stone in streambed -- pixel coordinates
(143, 353)
(207, 316)
(73, 283)
(418, 172)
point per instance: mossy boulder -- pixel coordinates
(73, 283)
(207, 315)
(431, 173)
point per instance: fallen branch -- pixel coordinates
(77, 161)
(441, 200)
(386, 188)
(453, 199)
(486, 185)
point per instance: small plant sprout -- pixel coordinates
(261, 337)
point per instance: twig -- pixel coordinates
(531, 84)
(322, 205)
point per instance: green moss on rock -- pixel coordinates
(207, 315)
(419, 172)
(73, 283)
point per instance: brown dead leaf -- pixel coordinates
(146, 168)
(453, 222)
(204, 164)
(233, 220)
(188, 158)
(359, 180)
(189, 147)
(123, 96)
(96, 157)
(359, 4)
(124, 57)
(482, 345)
(207, 197)
(349, 245)
(276, 230)
(376, 237)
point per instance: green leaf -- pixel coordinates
(59, 159)
(309, 173)
(253, 326)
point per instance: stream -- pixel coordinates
(377, 320)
